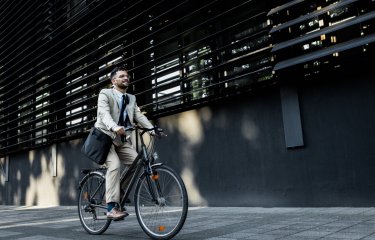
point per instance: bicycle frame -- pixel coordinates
(141, 161)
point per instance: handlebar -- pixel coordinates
(158, 131)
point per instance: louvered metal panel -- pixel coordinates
(56, 56)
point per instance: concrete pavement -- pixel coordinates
(62, 223)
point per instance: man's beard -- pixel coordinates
(123, 86)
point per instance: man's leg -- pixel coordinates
(112, 184)
(127, 155)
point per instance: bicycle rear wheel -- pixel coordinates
(161, 217)
(92, 208)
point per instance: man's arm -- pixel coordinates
(141, 119)
(104, 112)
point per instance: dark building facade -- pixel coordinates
(266, 103)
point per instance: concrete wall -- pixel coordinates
(233, 153)
(44, 176)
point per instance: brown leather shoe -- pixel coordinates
(116, 214)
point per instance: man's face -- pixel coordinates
(121, 80)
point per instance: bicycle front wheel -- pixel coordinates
(161, 203)
(92, 208)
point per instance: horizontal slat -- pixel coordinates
(311, 15)
(325, 52)
(284, 6)
(326, 30)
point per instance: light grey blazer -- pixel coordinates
(109, 112)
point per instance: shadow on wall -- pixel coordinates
(188, 126)
(70, 154)
(30, 179)
(195, 132)
(36, 179)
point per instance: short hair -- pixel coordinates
(116, 69)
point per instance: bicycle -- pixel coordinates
(160, 197)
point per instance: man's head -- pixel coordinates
(120, 78)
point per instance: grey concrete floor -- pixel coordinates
(58, 223)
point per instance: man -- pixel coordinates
(117, 110)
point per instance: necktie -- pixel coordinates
(121, 121)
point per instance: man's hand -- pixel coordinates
(119, 130)
(159, 133)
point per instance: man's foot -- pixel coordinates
(116, 214)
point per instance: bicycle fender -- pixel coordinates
(157, 164)
(88, 175)
(153, 165)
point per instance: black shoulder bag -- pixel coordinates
(96, 146)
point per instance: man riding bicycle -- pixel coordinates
(118, 110)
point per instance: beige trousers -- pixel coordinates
(125, 154)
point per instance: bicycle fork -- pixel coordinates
(156, 194)
(154, 188)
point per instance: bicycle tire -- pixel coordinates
(92, 195)
(165, 218)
